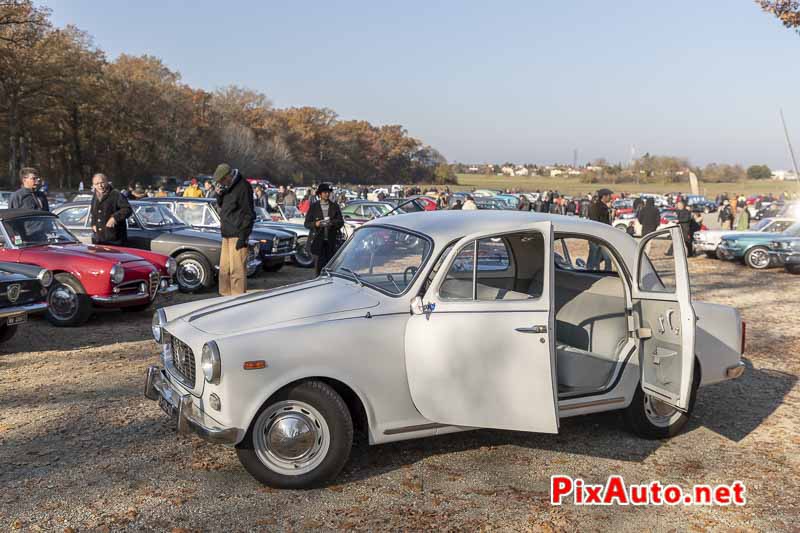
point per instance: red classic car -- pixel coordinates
(86, 276)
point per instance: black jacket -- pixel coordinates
(317, 236)
(264, 203)
(113, 204)
(24, 198)
(236, 209)
(650, 219)
(599, 212)
(684, 220)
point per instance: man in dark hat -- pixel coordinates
(237, 216)
(324, 219)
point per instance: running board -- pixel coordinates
(593, 403)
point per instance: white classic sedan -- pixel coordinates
(432, 323)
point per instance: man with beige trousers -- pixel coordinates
(235, 201)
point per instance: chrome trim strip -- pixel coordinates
(593, 403)
(411, 429)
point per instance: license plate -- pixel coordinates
(168, 408)
(15, 320)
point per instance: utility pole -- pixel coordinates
(575, 158)
(791, 150)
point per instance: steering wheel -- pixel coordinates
(412, 270)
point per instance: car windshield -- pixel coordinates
(384, 258)
(156, 216)
(793, 230)
(37, 231)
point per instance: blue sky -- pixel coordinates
(523, 81)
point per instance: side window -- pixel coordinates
(657, 266)
(583, 255)
(209, 219)
(190, 212)
(508, 267)
(75, 217)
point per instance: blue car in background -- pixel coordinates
(754, 248)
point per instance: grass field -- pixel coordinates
(574, 186)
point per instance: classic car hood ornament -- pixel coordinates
(317, 299)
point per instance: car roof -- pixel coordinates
(448, 225)
(177, 198)
(11, 214)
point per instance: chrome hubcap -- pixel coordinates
(302, 255)
(659, 413)
(759, 258)
(190, 274)
(291, 438)
(63, 302)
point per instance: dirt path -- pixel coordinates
(81, 448)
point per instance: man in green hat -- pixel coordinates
(236, 213)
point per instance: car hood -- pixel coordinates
(319, 299)
(748, 235)
(83, 251)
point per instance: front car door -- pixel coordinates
(662, 299)
(480, 352)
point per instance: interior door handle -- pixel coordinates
(532, 329)
(669, 321)
(661, 328)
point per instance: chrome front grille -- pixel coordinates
(285, 245)
(183, 360)
(154, 280)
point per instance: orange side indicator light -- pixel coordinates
(255, 365)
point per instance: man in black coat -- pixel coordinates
(325, 220)
(237, 216)
(28, 196)
(649, 217)
(599, 211)
(109, 213)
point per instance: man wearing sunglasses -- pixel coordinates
(109, 213)
(28, 196)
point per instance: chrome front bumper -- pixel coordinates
(190, 419)
(252, 266)
(705, 246)
(6, 312)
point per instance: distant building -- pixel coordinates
(784, 175)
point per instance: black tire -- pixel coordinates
(67, 302)
(303, 257)
(137, 308)
(639, 423)
(792, 269)
(755, 258)
(6, 332)
(336, 427)
(711, 255)
(194, 272)
(273, 268)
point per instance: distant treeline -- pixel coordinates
(67, 110)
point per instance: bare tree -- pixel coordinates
(787, 11)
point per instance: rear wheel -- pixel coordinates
(194, 272)
(757, 257)
(650, 418)
(300, 439)
(67, 302)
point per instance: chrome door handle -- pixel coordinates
(532, 329)
(669, 321)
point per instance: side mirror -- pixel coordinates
(417, 308)
(580, 263)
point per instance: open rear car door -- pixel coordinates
(662, 299)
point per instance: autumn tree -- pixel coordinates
(759, 172)
(787, 11)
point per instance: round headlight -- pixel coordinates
(117, 273)
(172, 266)
(45, 277)
(159, 319)
(211, 363)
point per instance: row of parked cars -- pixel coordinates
(771, 242)
(49, 264)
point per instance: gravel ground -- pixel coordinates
(82, 450)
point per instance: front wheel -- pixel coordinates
(67, 302)
(792, 269)
(757, 257)
(194, 272)
(302, 256)
(300, 439)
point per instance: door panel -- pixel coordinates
(485, 363)
(662, 301)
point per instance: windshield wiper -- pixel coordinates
(358, 279)
(401, 204)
